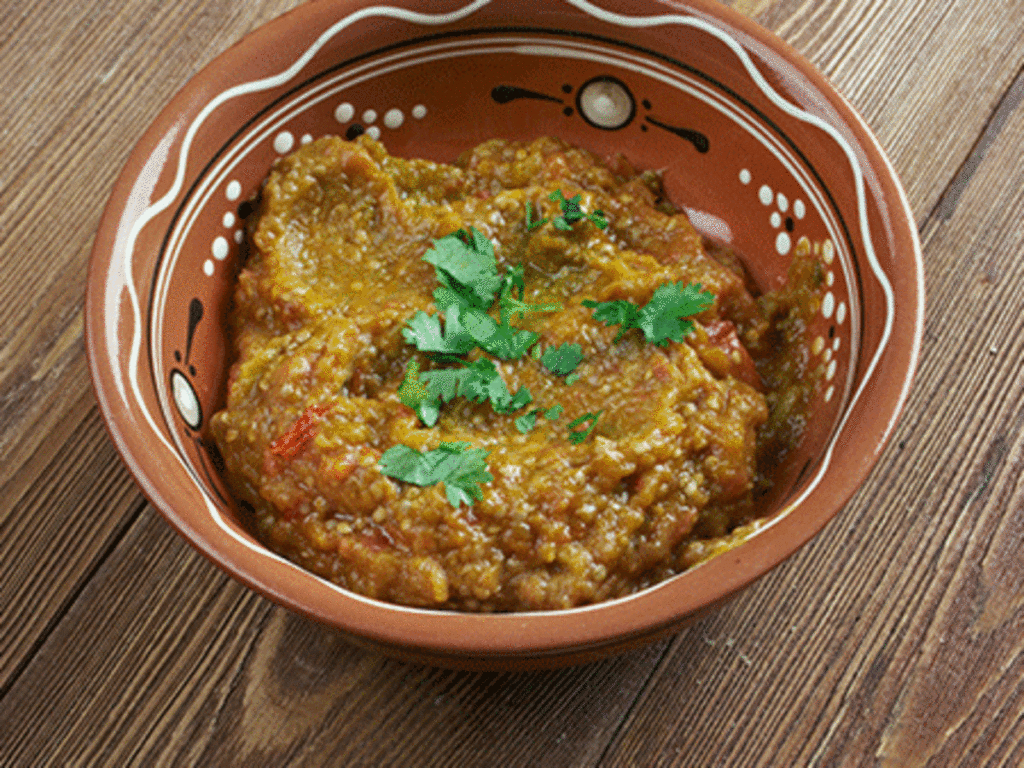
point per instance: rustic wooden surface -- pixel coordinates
(894, 639)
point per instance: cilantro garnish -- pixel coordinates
(562, 360)
(464, 329)
(664, 318)
(528, 421)
(531, 223)
(418, 396)
(577, 436)
(571, 212)
(426, 334)
(462, 469)
(470, 287)
(478, 382)
(513, 282)
(465, 266)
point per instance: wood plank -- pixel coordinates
(164, 660)
(925, 76)
(53, 533)
(896, 638)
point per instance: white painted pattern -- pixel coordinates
(344, 112)
(284, 142)
(401, 60)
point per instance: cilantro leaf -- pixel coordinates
(509, 343)
(528, 421)
(465, 265)
(577, 436)
(466, 327)
(621, 312)
(664, 318)
(425, 333)
(479, 382)
(532, 224)
(562, 360)
(462, 469)
(571, 212)
(514, 282)
(416, 395)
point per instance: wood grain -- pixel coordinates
(186, 667)
(894, 639)
(75, 516)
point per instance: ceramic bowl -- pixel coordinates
(750, 139)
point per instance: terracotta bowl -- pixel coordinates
(752, 141)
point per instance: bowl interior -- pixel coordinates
(749, 141)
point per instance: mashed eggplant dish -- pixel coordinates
(518, 382)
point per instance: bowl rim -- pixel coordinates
(448, 634)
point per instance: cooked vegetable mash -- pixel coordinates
(518, 382)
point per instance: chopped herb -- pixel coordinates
(462, 469)
(416, 395)
(504, 341)
(562, 360)
(464, 329)
(513, 282)
(621, 312)
(426, 334)
(577, 436)
(465, 266)
(532, 224)
(571, 379)
(571, 212)
(664, 318)
(478, 381)
(528, 421)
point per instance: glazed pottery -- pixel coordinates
(749, 138)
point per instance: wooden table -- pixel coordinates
(894, 639)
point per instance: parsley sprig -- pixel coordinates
(470, 287)
(562, 360)
(663, 319)
(588, 422)
(470, 284)
(458, 466)
(478, 381)
(528, 421)
(571, 212)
